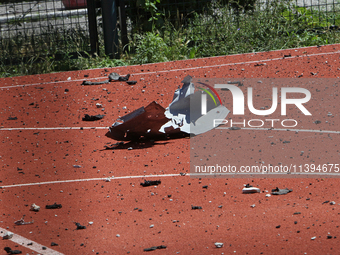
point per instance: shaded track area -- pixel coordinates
(43, 138)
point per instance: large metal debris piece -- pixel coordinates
(143, 122)
(181, 118)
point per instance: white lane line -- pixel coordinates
(90, 179)
(53, 128)
(20, 240)
(227, 128)
(183, 69)
(285, 129)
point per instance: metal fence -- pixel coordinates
(31, 28)
(42, 28)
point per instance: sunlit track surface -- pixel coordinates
(49, 155)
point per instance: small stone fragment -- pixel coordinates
(196, 207)
(35, 208)
(150, 183)
(92, 117)
(218, 245)
(80, 226)
(278, 191)
(54, 244)
(54, 206)
(155, 248)
(250, 189)
(8, 235)
(131, 82)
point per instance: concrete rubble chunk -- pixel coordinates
(8, 235)
(278, 191)
(218, 245)
(248, 189)
(35, 208)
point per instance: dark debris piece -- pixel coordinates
(54, 206)
(92, 117)
(131, 82)
(114, 77)
(124, 78)
(196, 207)
(87, 83)
(12, 118)
(155, 248)
(278, 191)
(10, 251)
(80, 226)
(54, 244)
(150, 183)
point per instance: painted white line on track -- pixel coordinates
(90, 179)
(20, 240)
(227, 128)
(285, 129)
(53, 128)
(182, 69)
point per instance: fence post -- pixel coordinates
(122, 24)
(91, 13)
(109, 12)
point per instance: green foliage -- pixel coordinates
(217, 31)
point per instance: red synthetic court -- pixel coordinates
(47, 138)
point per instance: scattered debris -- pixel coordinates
(332, 203)
(10, 251)
(35, 208)
(329, 237)
(80, 226)
(76, 166)
(54, 244)
(253, 205)
(123, 78)
(278, 191)
(250, 189)
(205, 187)
(317, 122)
(268, 195)
(155, 248)
(182, 174)
(112, 78)
(87, 83)
(131, 82)
(196, 207)
(54, 206)
(150, 183)
(218, 245)
(278, 226)
(326, 202)
(8, 235)
(92, 117)
(23, 222)
(12, 118)
(99, 105)
(313, 238)
(235, 128)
